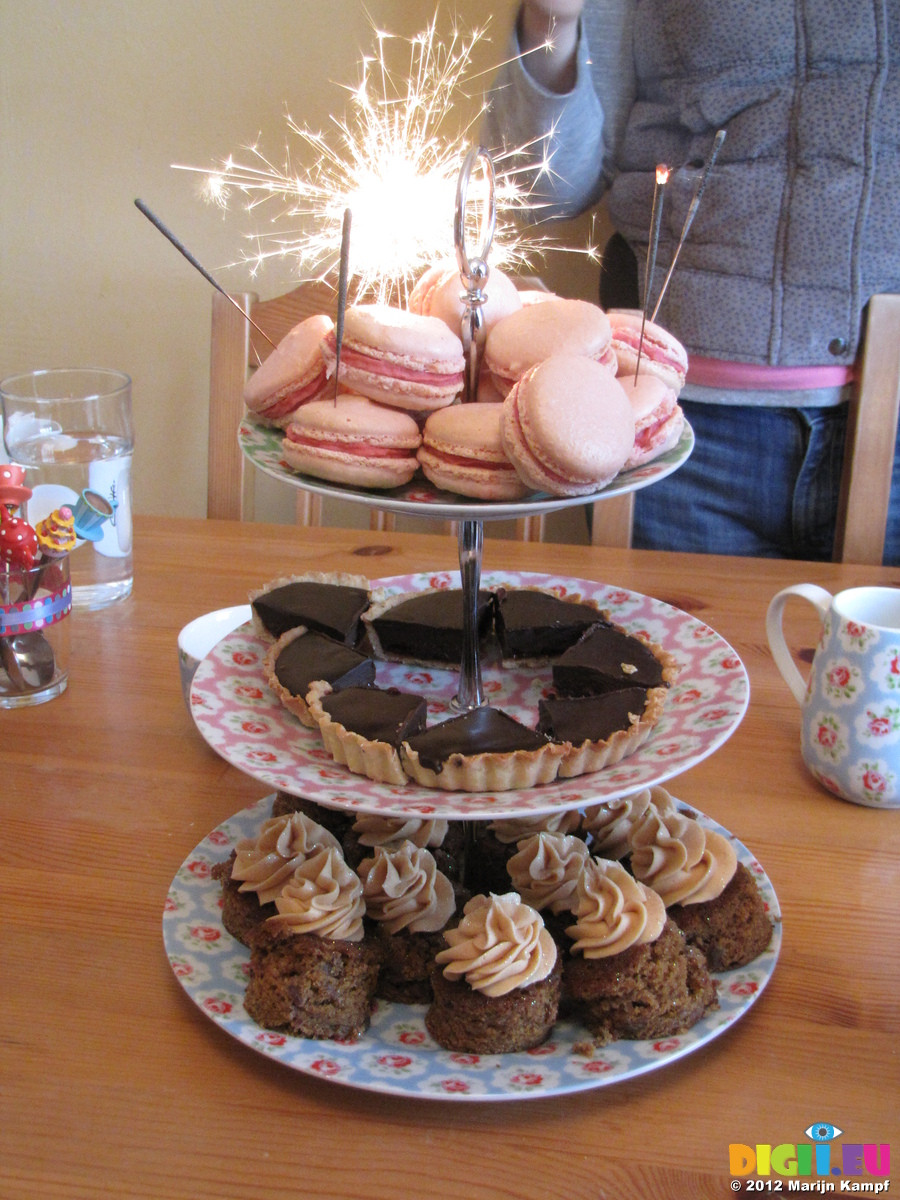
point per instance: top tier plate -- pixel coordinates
(262, 446)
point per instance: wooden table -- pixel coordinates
(114, 1085)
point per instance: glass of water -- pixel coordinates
(72, 430)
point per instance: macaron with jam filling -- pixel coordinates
(398, 358)
(462, 451)
(439, 292)
(537, 331)
(567, 426)
(661, 353)
(658, 418)
(352, 440)
(293, 374)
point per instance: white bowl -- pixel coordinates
(200, 636)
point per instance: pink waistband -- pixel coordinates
(719, 373)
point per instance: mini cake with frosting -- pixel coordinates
(426, 628)
(363, 727)
(301, 657)
(609, 826)
(708, 893)
(545, 870)
(408, 902)
(328, 603)
(630, 973)
(312, 970)
(446, 840)
(335, 820)
(484, 750)
(259, 868)
(496, 985)
(495, 842)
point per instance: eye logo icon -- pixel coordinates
(823, 1132)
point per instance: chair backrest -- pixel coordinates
(235, 345)
(871, 436)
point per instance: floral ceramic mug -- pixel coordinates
(850, 733)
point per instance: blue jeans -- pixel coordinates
(761, 481)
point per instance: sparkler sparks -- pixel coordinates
(391, 160)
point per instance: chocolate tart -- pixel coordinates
(601, 729)
(606, 658)
(330, 604)
(300, 657)
(426, 628)
(533, 625)
(362, 727)
(484, 750)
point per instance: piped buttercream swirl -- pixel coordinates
(373, 830)
(265, 863)
(680, 859)
(545, 870)
(499, 945)
(323, 897)
(510, 830)
(403, 889)
(610, 824)
(613, 911)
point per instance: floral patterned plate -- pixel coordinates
(244, 722)
(397, 1056)
(262, 446)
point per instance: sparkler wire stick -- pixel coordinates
(662, 178)
(691, 213)
(474, 272)
(179, 246)
(343, 277)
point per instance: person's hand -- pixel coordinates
(548, 36)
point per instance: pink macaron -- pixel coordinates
(658, 419)
(661, 353)
(293, 374)
(537, 331)
(462, 451)
(567, 426)
(352, 440)
(439, 293)
(398, 358)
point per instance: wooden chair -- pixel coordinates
(871, 435)
(235, 345)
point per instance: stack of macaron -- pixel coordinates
(559, 406)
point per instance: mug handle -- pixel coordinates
(821, 601)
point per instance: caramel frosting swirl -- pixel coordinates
(545, 870)
(323, 897)
(679, 859)
(373, 830)
(610, 824)
(613, 911)
(499, 945)
(265, 863)
(403, 889)
(514, 829)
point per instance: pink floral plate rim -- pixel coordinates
(261, 445)
(243, 721)
(397, 1056)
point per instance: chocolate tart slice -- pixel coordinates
(329, 604)
(426, 628)
(484, 750)
(602, 729)
(362, 727)
(302, 656)
(607, 658)
(533, 625)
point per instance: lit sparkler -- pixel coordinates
(394, 165)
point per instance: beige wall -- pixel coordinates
(98, 99)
